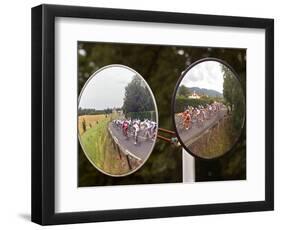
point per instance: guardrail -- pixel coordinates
(130, 157)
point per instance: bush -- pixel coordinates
(151, 115)
(182, 102)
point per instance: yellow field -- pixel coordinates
(91, 120)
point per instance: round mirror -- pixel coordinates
(117, 120)
(208, 108)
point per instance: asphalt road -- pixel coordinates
(193, 134)
(141, 150)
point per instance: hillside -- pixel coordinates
(203, 91)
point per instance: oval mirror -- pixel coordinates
(208, 108)
(117, 120)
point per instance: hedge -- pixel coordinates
(181, 103)
(151, 115)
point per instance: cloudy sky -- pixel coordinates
(106, 89)
(206, 75)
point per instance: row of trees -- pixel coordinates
(83, 111)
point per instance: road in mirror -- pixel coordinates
(209, 109)
(117, 120)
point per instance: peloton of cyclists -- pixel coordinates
(199, 114)
(133, 127)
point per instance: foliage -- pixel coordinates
(234, 97)
(151, 115)
(182, 102)
(137, 97)
(206, 92)
(183, 91)
(93, 111)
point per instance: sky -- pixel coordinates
(206, 75)
(106, 89)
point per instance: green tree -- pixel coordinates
(183, 91)
(234, 96)
(137, 97)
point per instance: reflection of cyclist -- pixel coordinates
(147, 130)
(136, 131)
(153, 130)
(150, 128)
(125, 127)
(186, 119)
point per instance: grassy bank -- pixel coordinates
(216, 142)
(98, 147)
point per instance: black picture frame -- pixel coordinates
(43, 114)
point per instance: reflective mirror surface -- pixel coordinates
(209, 109)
